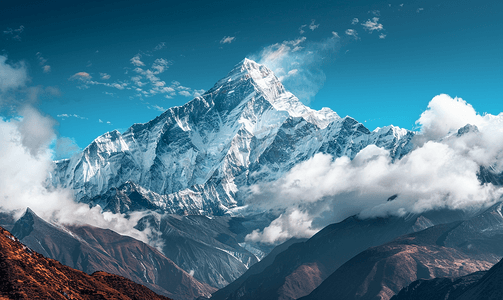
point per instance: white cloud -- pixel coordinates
(419, 10)
(335, 34)
(291, 223)
(105, 76)
(159, 108)
(353, 33)
(81, 76)
(12, 76)
(63, 116)
(185, 93)
(14, 33)
(371, 25)
(301, 29)
(382, 36)
(375, 12)
(441, 172)
(46, 69)
(313, 26)
(227, 39)
(305, 58)
(355, 21)
(160, 46)
(160, 65)
(136, 61)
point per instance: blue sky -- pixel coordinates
(380, 62)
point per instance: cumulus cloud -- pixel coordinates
(353, 33)
(227, 39)
(371, 25)
(441, 172)
(136, 61)
(297, 63)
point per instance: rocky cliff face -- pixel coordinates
(196, 158)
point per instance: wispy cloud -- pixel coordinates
(313, 26)
(301, 29)
(227, 39)
(353, 33)
(65, 116)
(355, 21)
(419, 10)
(15, 34)
(371, 25)
(160, 46)
(297, 63)
(105, 76)
(43, 63)
(376, 13)
(382, 36)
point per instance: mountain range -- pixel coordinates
(190, 172)
(200, 157)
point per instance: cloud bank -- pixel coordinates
(26, 163)
(441, 172)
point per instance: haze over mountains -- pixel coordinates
(215, 184)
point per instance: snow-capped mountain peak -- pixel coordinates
(197, 158)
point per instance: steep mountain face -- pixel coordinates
(476, 286)
(449, 250)
(92, 249)
(28, 275)
(297, 271)
(209, 248)
(255, 269)
(196, 158)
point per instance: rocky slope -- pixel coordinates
(297, 271)
(476, 286)
(449, 250)
(92, 249)
(210, 248)
(29, 275)
(196, 158)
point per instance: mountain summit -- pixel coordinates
(196, 158)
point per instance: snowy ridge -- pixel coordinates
(196, 158)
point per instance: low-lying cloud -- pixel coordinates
(441, 172)
(26, 164)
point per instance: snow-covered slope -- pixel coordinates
(196, 158)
